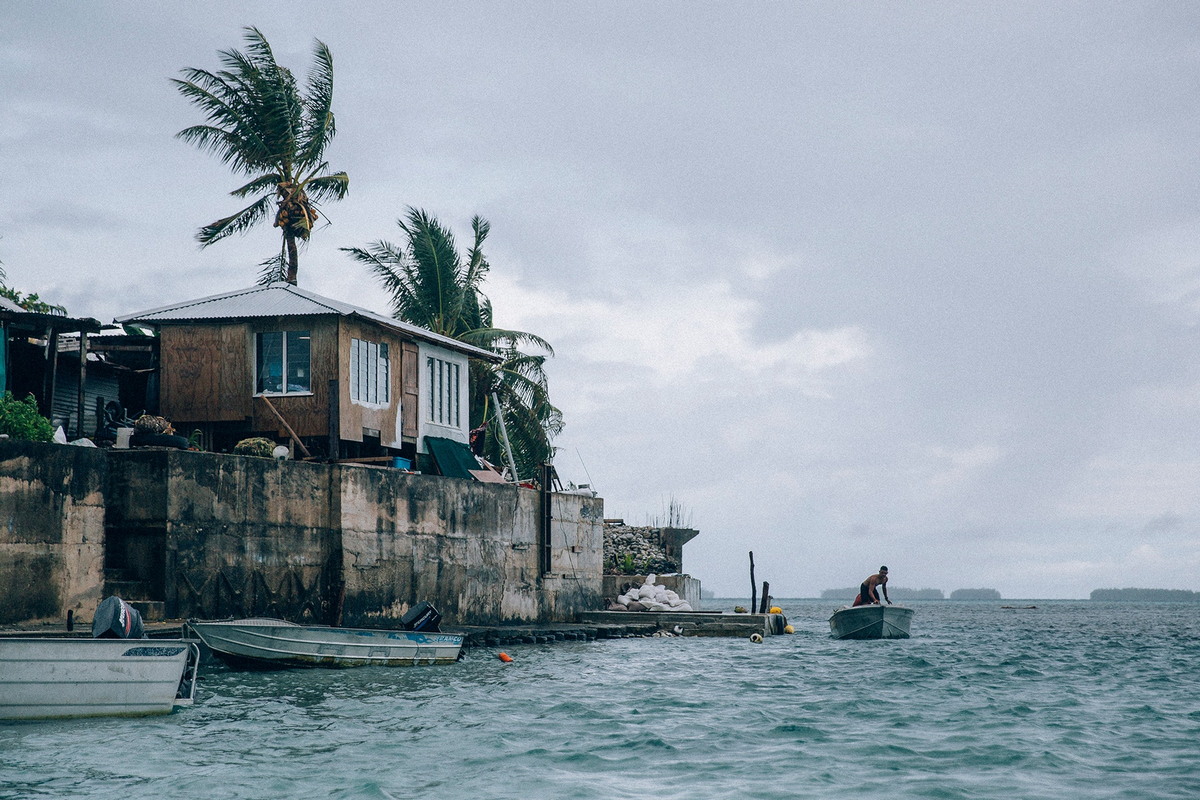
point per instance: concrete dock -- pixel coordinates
(692, 623)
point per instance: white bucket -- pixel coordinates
(123, 435)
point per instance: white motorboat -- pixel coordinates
(871, 622)
(273, 643)
(53, 677)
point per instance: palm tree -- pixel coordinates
(261, 126)
(433, 287)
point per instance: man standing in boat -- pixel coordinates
(868, 592)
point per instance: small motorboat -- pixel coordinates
(871, 622)
(118, 672)
(55, 677)
(261, 643)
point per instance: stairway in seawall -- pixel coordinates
(134, 591)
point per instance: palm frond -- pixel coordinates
(319, 127)
(386, 262)
(263, 183)
(494, 338)
(235, 223)
(435, 267)
(273, 269)
(327, 187)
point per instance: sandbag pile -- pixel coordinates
(651, 597)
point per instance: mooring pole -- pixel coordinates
(753, 585)
(766, 598)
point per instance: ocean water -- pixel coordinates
(1066, 700)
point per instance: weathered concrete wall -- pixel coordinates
(51, 531)
(469, 548)
(217, 535)
(239, 536)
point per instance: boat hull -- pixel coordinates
(47, 678)
(275, 644)
(871, 622)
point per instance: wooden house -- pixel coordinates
(287, 364)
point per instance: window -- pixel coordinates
(282, 363)
(369, 372)
(443, 391)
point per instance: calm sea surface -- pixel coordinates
(1067, 700)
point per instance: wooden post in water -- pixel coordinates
(753, 585)
(766, 598)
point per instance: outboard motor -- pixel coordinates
(116, 619)
(422, 617)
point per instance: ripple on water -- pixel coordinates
(1070, 699)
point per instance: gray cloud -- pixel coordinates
(854, 284)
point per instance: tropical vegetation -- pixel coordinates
(19, 419)
(431, 285)
(260, 124)
(31, 302)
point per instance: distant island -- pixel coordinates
(974, 594)
(1147, 595)
(897, 593)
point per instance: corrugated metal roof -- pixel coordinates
(285, 300)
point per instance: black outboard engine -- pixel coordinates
(116, 619)
(422, 617)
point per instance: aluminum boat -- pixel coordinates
(262, 643)
(54, 677)
(871, 622)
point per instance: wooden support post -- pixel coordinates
(50, 377)
(79, 398)
(766, 598)
(335, 431)
(753, 585)
(287, 427)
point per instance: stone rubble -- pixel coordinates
(630, 550)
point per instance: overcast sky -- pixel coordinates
(852, 283)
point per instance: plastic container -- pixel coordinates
(401, 463)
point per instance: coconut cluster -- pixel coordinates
(631, 550)
(652, 597)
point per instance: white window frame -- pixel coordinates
(370, 372)
(443, 392)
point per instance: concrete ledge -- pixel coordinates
(692, 623)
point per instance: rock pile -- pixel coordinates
(630, 550)
(650, 597)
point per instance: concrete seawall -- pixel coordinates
(211, 535)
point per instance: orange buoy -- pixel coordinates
(505, 657)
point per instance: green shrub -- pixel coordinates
(20, 420)
(255, 446)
